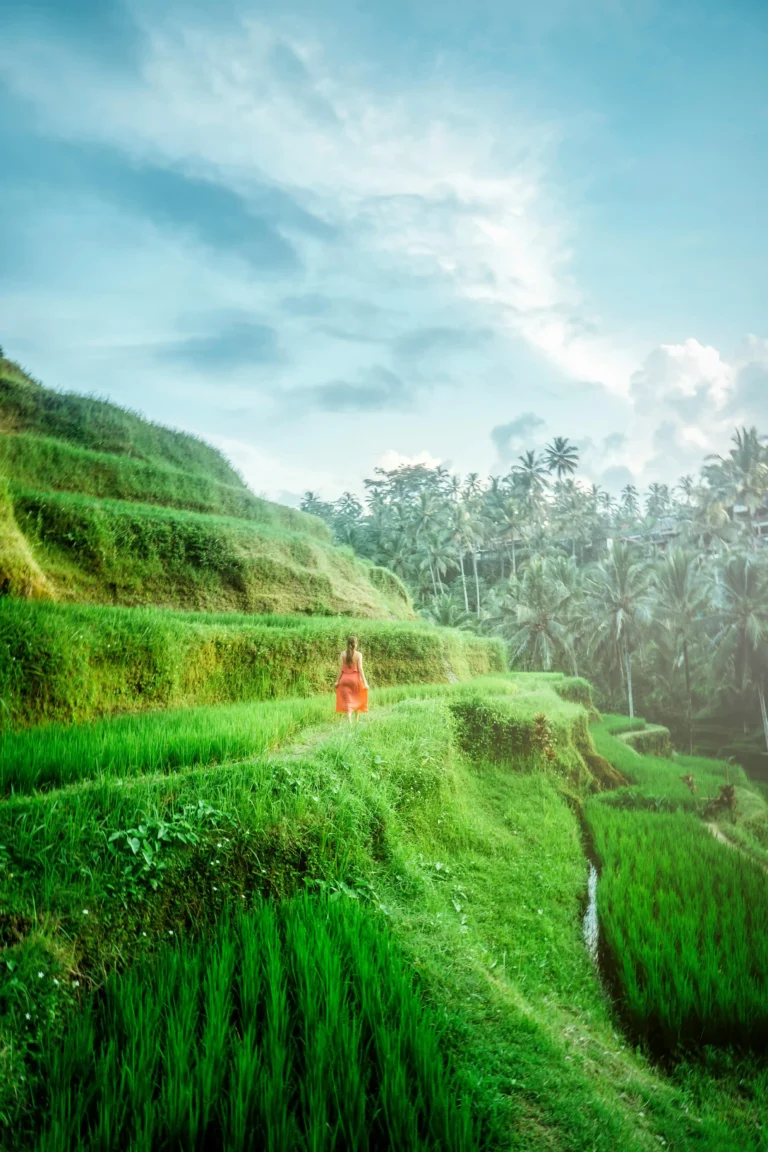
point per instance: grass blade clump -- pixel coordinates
(294, 1026)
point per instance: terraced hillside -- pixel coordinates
(251, 927)
(101, 506)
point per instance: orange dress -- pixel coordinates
(351, 696)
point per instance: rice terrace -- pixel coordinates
(383, 576)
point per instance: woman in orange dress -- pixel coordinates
(351, 685)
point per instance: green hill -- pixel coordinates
(102, 506)
(139, 572)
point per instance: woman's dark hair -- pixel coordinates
(351, 649)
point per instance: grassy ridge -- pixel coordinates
(64, 663)
(138, 554)
(686, 924)
(538, 726)
(44, 464)
(293, 1026)
(154, 742)
(20, 574)
(658, 779)
(26, 406)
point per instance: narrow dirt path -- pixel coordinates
(718, 834)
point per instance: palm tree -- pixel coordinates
(630, 503)
(447, 613)
(620, 607)
(425, 520)
(567, 572)
(473, 486)
(475, 535)
(459, 527)
(742, 476)
(741, 593)
(510, 515)
(453, 487)
(681, 601)
(538, 632)
(437, 547)
(530, 476)
(657, 501)
(561, 457)
(686, 486)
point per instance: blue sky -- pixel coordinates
(330, 237)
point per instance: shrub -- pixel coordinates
(575, 689)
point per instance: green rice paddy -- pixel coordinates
(293, 1026)
(685, 922)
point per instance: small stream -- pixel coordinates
(590, 925)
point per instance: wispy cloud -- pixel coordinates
(418, 182)
(511, 438)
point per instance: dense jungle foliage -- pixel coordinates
(660, 599)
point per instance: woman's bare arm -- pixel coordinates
(341, 669)
(362, 673)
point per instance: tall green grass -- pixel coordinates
(65, 663)
(103, 427)
(296, 1026)
(122, 746)
(44, 464)
(685, 922)
(481, 871)
(126, 553)
(58, 755)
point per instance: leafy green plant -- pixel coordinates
(149, 841)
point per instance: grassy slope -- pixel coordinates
(67, 663)
(27, 407)
(478, 870)
(44, 464)
(109, 551)
(103, 506)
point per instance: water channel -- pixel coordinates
(590, 925)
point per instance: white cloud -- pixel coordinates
(443, 197)
(684, 370)
(390, 460)
(687, 399)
